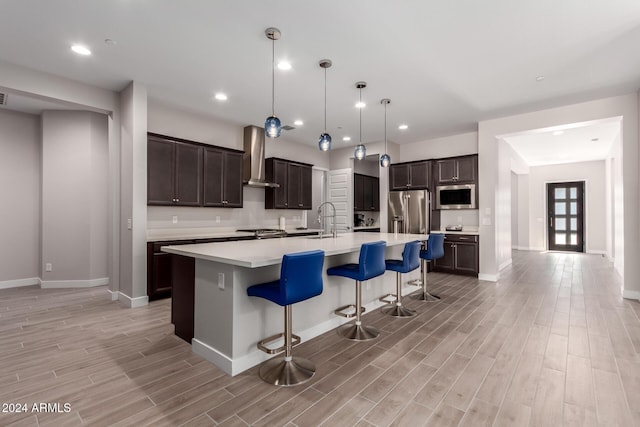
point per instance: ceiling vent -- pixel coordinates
(3, 98)
(288, 127)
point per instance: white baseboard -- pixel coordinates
(488, 277)
(114, 294)
(596, 252)
(133, 302)
(30, 281)
(53, 284)
(627, 294)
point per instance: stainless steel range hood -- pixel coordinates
(253, 158)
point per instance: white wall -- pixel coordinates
(454, 145)
(74, 198)
(593, 173)
(20, 191)
(523, 220)
(514, 211)
(626, 107)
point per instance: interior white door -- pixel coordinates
(340, 193)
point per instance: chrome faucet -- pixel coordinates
(321, 217)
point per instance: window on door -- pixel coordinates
(565, 219)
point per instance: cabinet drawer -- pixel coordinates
(468, 238)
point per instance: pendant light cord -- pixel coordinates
(273, 77)
(360, 116)
(385, 127)
(325, 100)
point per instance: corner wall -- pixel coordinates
(20, 192)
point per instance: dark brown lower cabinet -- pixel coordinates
(183, 276)
(159, 269)
(460, 255)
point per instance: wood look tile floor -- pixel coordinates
(552, 343)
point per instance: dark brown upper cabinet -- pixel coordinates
(410, 176)
(295, 189)
(174, 172)
(456, 170)
(222, 178)
(366, 192)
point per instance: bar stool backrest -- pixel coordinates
(435, 247)
(301, 276)
(372, 259)
(411, 255)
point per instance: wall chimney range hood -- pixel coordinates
(253, 158)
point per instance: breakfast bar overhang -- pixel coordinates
(228, 323)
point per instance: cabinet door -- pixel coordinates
(466, 169)
(276, 198)
(294, 186)
(232, 180)
(160, 172)
(358, 192)
(398, 177)
(466, 259)
(419, 175)
(446, 171)
(447, 262)
(213, 177)
(374, 190)
(188, 166)
(306, 188)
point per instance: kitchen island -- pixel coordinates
(227, 323)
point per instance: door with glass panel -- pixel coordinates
(565, 220)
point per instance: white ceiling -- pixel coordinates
(445, 65)
(580, 142)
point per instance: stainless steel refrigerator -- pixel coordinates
(409, 211)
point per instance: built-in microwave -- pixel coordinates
(461, 196)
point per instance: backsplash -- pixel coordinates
(468, 217)
(252, 214)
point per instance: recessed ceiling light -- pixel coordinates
(298, 123)
(360, 104)
(80, 50)
(539, 78)
(346, 138)
(557, 133)
(403, 127)
(284, 65)
(221, 96)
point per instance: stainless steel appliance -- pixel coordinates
(265, 233)
(409, 211)
(461, 196)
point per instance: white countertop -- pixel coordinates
(471, 231)
(259, 253)
(166, 234)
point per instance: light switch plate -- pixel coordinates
(174, 219)
(220, 280)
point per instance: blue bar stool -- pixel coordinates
(370, 265)
(300, 279)
(435, 250)
(409, 262)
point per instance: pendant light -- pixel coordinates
(324, 143)
(272, 126)
(385, 159)
(361, 151)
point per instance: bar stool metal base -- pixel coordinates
(358, 332)
(399, 311)
(426, 296)
(283, 372)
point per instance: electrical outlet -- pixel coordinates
(129, 224)
(48, 267)
(174, 219)
(217, 220)
(220, 280)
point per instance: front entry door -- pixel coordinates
(565, 220)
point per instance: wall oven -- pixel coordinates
(461, 196)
